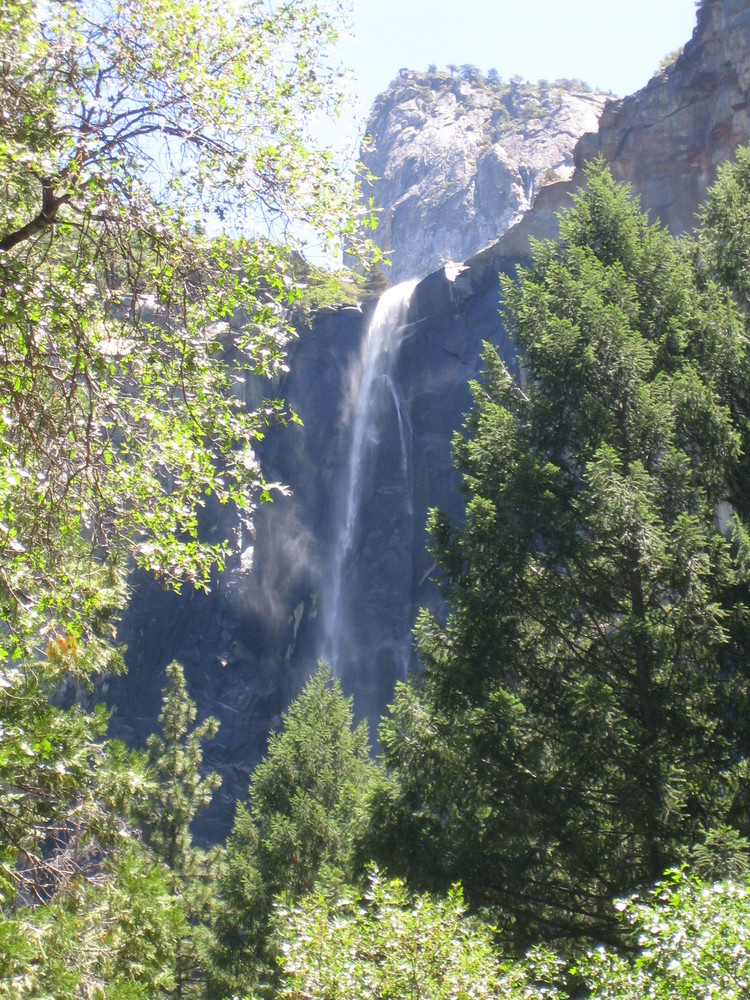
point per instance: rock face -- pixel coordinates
(458, 162)
(668, 139)
(249, 645)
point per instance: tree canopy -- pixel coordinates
(145, 149)
(687, 939)
(581, 721)
(383, 943)
(155, 159)
(128, 130)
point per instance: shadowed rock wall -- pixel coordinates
(248, 646)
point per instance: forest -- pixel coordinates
(560, 804)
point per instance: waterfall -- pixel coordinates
(374, 403)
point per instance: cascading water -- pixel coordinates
(376, 415)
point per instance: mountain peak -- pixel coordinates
(458, 158)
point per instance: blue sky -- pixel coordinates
(611, 44)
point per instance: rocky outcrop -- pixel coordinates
(248, 646)
(457, 162)
(668, 139)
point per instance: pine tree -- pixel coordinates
(579, 723)
(725, 233)
(304, 808)
(181, 790)
(723, 256)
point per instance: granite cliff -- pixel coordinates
(249, 644)
(457, 160)
(667, 139)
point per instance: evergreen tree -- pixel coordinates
(112, 933)
(725, 233)
(723, 255)
(304, 807)
(180, 791)
(581, 718)
(469, 72)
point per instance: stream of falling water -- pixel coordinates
(374, 387)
